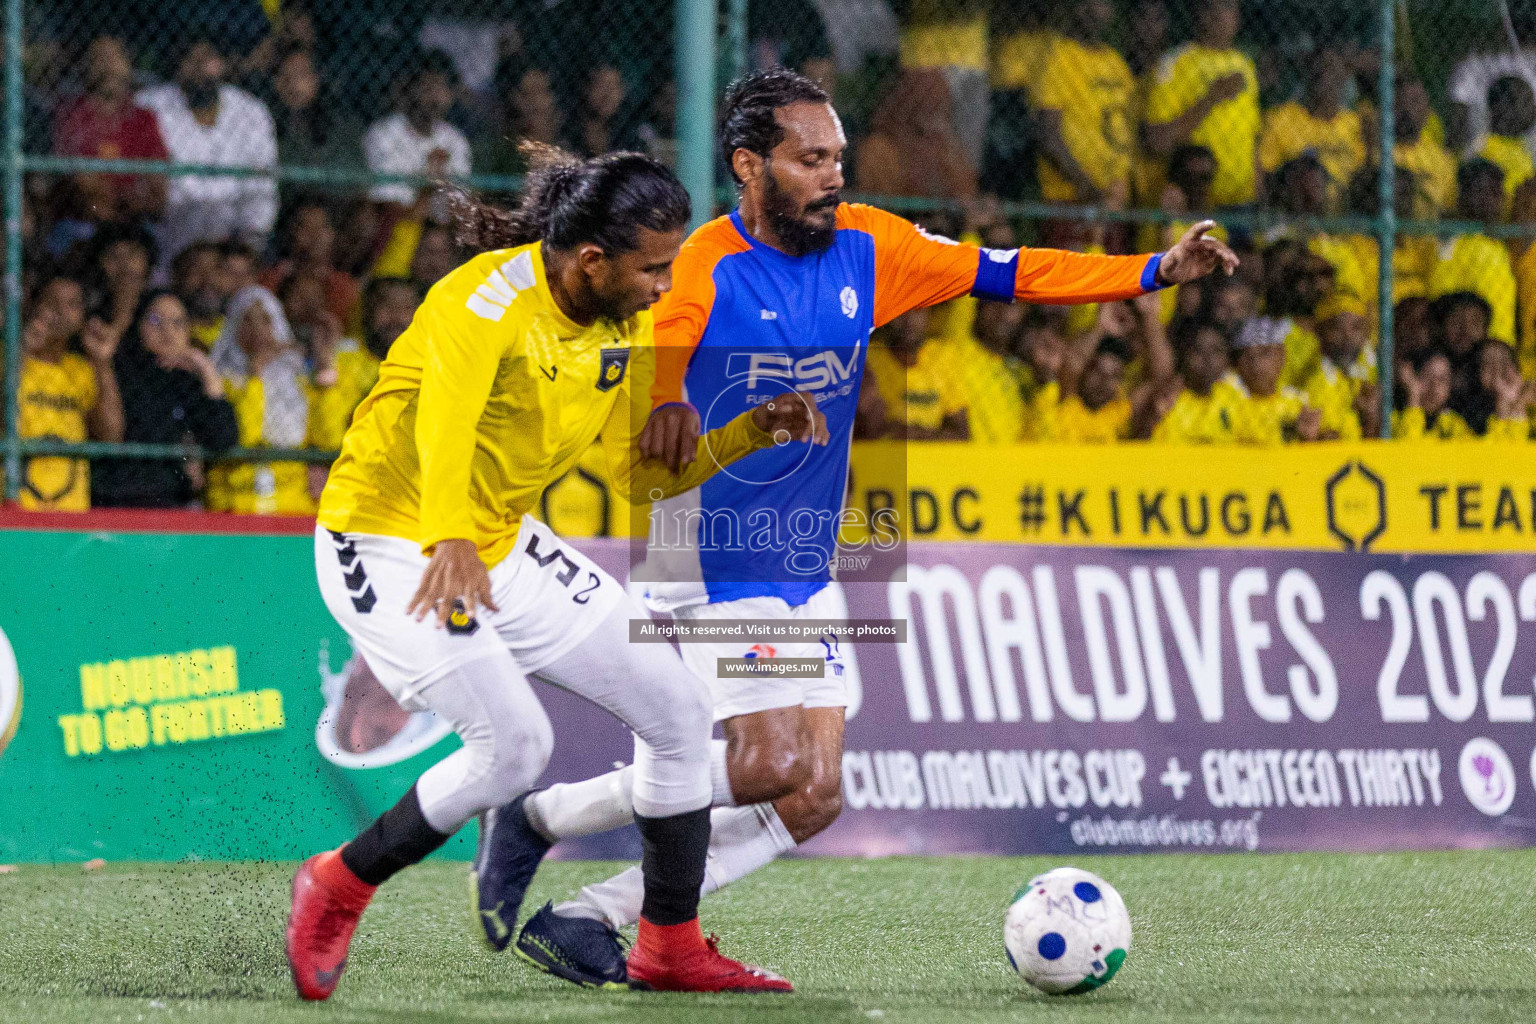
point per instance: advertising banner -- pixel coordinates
(1368, 496)
(1058, 699)
(176, 695)
(190, 696)
(1371, 496)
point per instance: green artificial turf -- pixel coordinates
(1293, 938)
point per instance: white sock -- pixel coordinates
(741, 840)
(572, 809)
(719, 779)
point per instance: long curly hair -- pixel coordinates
(566, 201)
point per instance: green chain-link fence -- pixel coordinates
(269, 163)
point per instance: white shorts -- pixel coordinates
(549, 595)
(739, 695)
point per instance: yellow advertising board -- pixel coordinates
(1365, 496)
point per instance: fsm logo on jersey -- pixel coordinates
(10, 692)
(776, 369)
(1487, 777)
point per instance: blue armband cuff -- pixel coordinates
(996, 272)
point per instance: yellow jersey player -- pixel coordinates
(516, 363)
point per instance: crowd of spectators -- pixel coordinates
(1097, 103)
(1279, 353)
(221, 311)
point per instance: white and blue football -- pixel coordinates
(1067, 932)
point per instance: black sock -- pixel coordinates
(399, 838)
(672, 860)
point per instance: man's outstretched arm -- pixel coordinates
(914, 268)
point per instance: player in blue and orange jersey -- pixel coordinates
(783, 292)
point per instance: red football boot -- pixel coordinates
(677, 958)
(328, 901)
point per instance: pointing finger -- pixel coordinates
(1197, 232)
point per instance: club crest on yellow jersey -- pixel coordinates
(610, 372)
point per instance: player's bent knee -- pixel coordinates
(809, 811)
(513, 762)
(694, 716)
(825, 806)
(537, 745)
(681, 733)
(767, 771)
(666, 705)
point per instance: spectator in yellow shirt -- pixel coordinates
(389, 303)
(1511, 116)
(1474, 262)
(1042, 349)
(1413, 256)
(1504, 410)
(1320, 125)
(1417, 150)
(1096, 410)
(1343, 387)
(1229, 303)
(1301, 190)
(1023, 37)
(1083, 116)
(990, 375)
(1425, 385)
(1266, 412)
(64, 396)
(1523, 211)
(1146, 42)
(923, 399)
(1192, 406)
(1296, 280)
(1460, 324)
(1412, 328)
(952, 36)
(1191, 169)
(1207, 92)
(277, 405)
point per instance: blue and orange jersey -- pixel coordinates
(745, 322)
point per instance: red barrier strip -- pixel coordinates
(147, 520)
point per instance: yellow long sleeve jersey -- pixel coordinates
(490, 395)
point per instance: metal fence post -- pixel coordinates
(697, 23)
(736, 37)
(1386, 214)
(13, 140)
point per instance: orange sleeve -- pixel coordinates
(683, 313)
(914, 269)
(1057, 277)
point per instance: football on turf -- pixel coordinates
(1067, 932)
